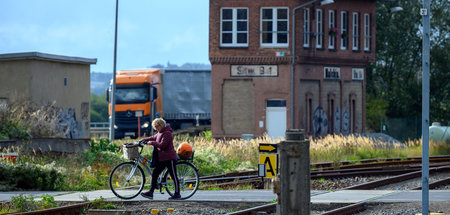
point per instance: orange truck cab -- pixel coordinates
(138, 102)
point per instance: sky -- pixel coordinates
(149, 31)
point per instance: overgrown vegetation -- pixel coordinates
(23, 120)
(90, 170)
(24, 203)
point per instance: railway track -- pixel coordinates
(74, 209)
(370, 167)
(398, 171)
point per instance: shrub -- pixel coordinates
(30, 176)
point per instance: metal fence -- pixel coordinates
(403, 129)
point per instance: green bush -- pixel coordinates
(100, 203)
(102, 151)
(30, 176)
(23, 203)
(11, 130)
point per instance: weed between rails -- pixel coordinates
(90, 170)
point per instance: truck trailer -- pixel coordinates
(181, 97)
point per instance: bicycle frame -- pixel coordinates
(144, 161)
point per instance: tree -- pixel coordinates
(99, 108)
(396, 76)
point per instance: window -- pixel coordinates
(367, 35)
(332, 29)
(306, 27)
(344, 30)
(319, 28)
(355, 32)
(274, 27)
(132, 95)
(234, 27)
(358, 74)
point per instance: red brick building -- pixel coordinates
(251, 53)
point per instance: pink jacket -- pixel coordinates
(163, 141)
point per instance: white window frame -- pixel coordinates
(367, 35)
(319, 28)
(355, 31)
(234, 30)
(331, 25)
(344, 29)
(275, 31)
(306, 28)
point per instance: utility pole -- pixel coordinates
(425, 12)
(113, 86)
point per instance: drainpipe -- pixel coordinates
(293, 58)
(323, 2)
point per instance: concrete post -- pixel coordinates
(295, 174)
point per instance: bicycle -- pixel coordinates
(127, 180)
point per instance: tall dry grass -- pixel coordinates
(221, 156)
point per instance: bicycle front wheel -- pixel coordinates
(187, 178)
(127, 180)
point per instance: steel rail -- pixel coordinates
(64, 210)
(371, 162)
(316, 174)
(269, 208)
(394, 179)
(435, 184)
(349, 209)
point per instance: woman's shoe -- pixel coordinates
(175, 197)
(148, 195)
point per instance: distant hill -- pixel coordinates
(99, 82)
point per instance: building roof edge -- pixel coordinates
(45, 56)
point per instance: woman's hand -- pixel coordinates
(143, 142)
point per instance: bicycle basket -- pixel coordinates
(130, 151)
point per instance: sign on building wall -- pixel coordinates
(254, 70)
(331, 72)
(358, 74)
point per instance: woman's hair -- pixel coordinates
(158, 121)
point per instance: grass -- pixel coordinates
(90, 170)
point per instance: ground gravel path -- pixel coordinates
(415, 182)
(410, 208)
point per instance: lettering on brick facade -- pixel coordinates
(332, 72)
(254, 70)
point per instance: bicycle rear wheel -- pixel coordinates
(187, 178)
(127, 180)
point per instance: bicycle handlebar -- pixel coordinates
(141, 143)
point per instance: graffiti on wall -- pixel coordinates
(320, 122)
(345, 122)
(68, 124)
(337, 121)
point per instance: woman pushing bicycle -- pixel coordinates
(163, 143)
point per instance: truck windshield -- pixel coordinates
(132, 95)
